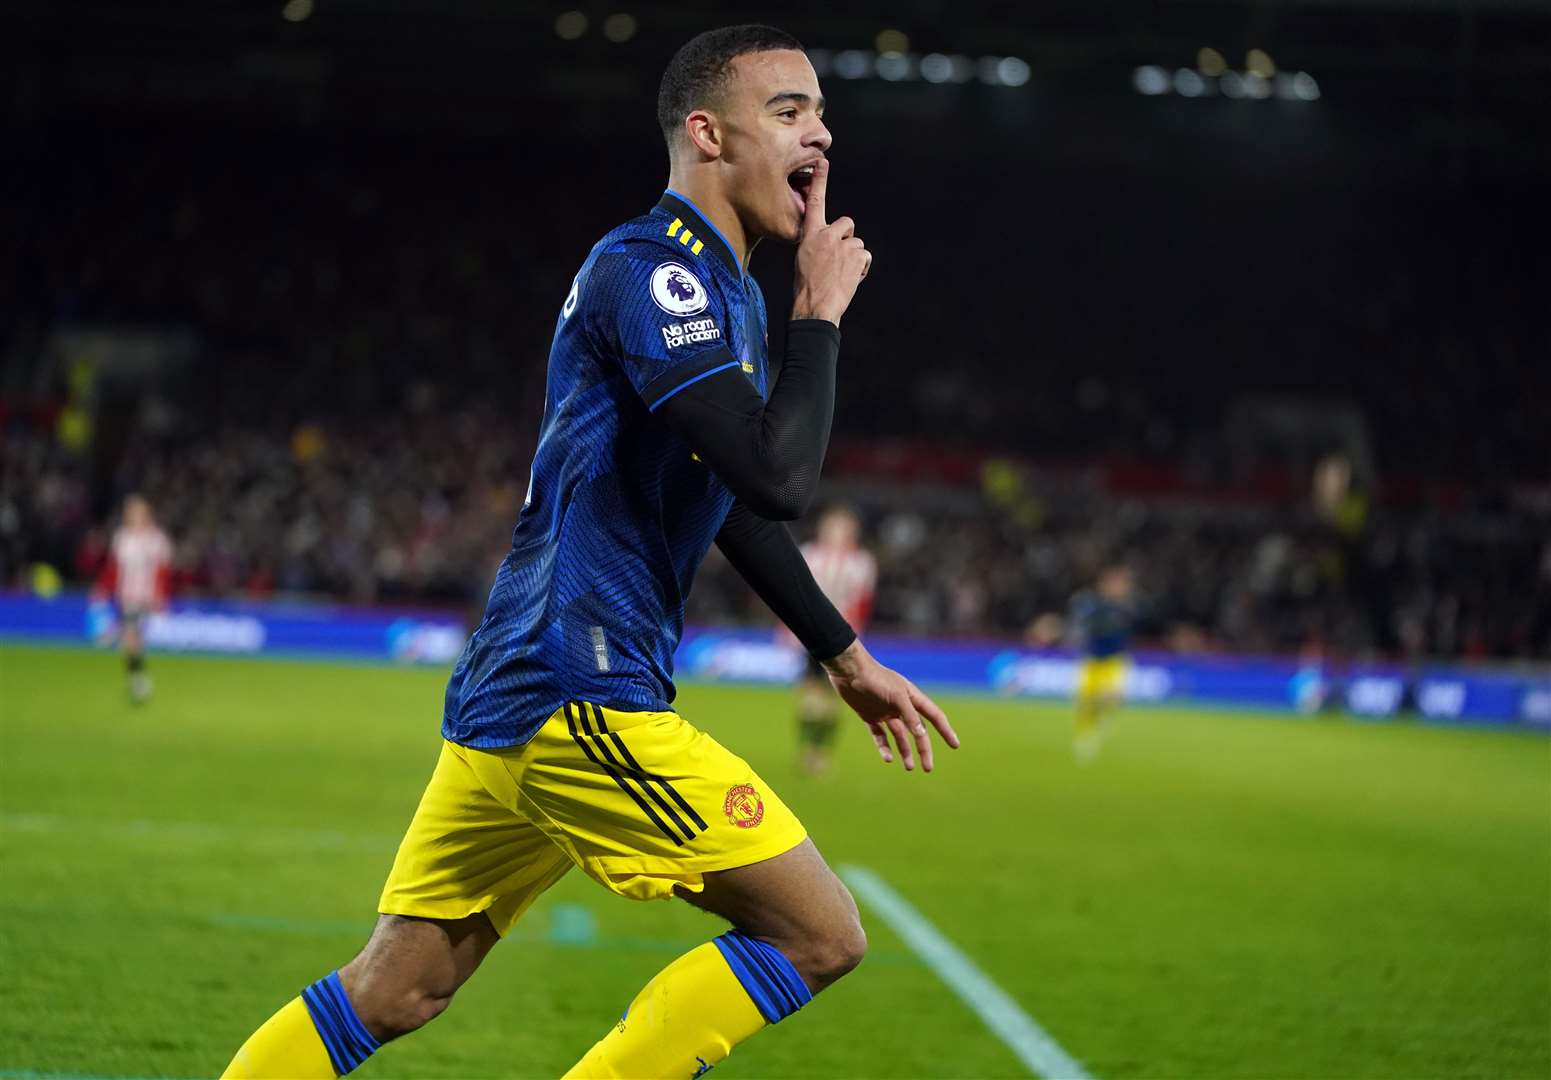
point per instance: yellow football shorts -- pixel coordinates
(644, 802)
(1102, 676)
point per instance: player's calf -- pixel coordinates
(795, 903)
(404, 978)
(795, 932)
(408, 972)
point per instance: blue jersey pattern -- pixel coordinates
(1105, 626)
(589, 603)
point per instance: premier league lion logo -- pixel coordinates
(681, 287)
(677, 291)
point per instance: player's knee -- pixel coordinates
(389, 1016)
(828, 956)
(418, 1008)
(389, 1004)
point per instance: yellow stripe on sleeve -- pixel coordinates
(674, 228)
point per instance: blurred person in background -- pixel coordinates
(848, 575)
(1102, 621)
(135, 576)
(665, 430)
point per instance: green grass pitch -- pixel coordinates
(1218, 895)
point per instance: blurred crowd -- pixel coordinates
(356, 414)
(420, 512)
(1210, 577)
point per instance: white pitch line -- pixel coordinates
(1030, 1042)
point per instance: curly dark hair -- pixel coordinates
(698, 72)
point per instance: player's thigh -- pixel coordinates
(790, 896)
(131, 631)
(646, 803)
(1111, 681)
(470, 850)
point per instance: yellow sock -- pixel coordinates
(287, 1045)
(695, 1010)
(1090, 711)
(314, 1037)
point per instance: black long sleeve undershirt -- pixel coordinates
(769, 452)
(767, 557)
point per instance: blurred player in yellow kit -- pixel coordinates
(1102, 619)
(848, 575)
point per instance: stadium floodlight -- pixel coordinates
(936, 68)
(1150, 79)
(570, 25)
(1304, 87)
(852, 64)
(893, 66)
(1189, 84)
(619, 27)
(296, 10)
(1231, 83)
(1014, 72)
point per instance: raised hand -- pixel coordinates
(831, 258)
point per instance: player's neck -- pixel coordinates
(715, 207)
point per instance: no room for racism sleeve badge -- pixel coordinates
(743, 806)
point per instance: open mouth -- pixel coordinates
(800, 181)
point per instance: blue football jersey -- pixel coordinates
(589, 603)
(1104, 626)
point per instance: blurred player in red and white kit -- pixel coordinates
(136, 576)
(848, 574)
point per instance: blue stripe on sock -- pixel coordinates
(331, 1026)
(363, 1038)
(320, 1020)
(776, 971)
(344, 1036)
(753, 984)
(773, 984)
(344, 1054)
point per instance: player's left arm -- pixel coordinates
(767, 557)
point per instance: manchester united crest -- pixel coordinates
(743, 806)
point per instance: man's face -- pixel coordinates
(774, 132)
(839, 528)
(1116, 584)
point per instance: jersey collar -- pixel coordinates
(678, 206)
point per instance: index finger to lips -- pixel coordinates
(813, 215)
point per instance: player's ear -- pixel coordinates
(704, 133)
